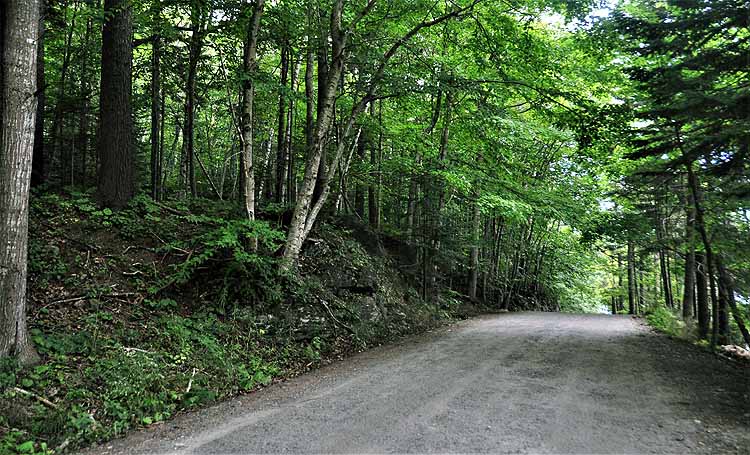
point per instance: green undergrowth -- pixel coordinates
(671, 323)
(668, 322)
(159, 308)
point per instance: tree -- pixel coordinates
(248, 97)
(307, 209)
(39, 162)
(116, 148)
(688, 298)
(156, 96)
(18, 45)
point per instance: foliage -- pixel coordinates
(519, 155)
(666, 321)
(224, 248)
(113, 363)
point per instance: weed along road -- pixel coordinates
(510, 383)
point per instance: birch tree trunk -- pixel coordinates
(248, 97)
(18, 51)
(296, 234)
(280, 175)
(291, 178)
(305, 212)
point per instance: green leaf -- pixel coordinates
(26, 447)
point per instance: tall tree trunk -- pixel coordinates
(641, 291)
(155, 99)
(281, 153)
(63, 154)
(359, 189)
(116, 142)
(411, 204)
(620, 298)
(322, 84)
(248, 97)
(436, 221)
(162, 173)
(726, 292)
(631, 279)
(726, 289)
(663, 267)
(474, 254)
(309, 94)
(198, 18)
(688, 297)
(701, 286)
(306, 211)
(326, 97)
(709, 258)
(83, 117)
(373, 189)
(39, 162)
(19, 32)
(291, 179)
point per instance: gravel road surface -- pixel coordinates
(508, 383)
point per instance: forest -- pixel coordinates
(200, 197)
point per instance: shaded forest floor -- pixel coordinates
(143, 313)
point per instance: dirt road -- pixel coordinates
(511, 383)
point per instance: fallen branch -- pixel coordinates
(102, 296)
(137, 272)
(39, 398)
(62, 446)
(127, 349)
(190, 382)
(325, 305)
(170, 209)
(84, 297)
